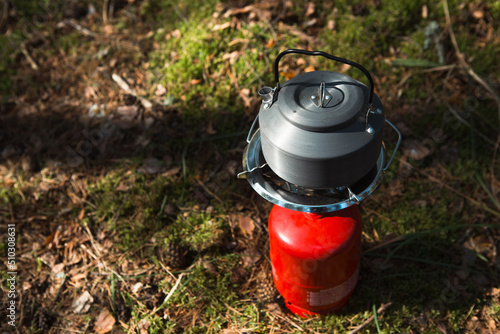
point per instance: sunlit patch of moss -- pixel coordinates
(198, 230)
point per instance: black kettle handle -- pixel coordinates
(326, 55)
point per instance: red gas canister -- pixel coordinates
(316, 146)
(315, 257)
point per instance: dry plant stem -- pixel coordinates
(171, 292)
(470, 199)
(102, 262)
(470, 71)
(30, 59)
(123, 85)
(463, 121)
(209, 191)
(381, 309)
(289, 321)
(105, 9)
(78, 27)
(5, 13)
(463, 63)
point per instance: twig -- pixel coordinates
(282, 14)
(118, 213)
(25, 52)
(124, 85)
(92, 240)
(102, 262)
(208, 191)
(5, 13)
(180, 14)
(463, 62)
(171, 292)
(105, 9)
(461, 120)
(381, 309)
(78, 27)
(473, 74)
(60, 288)
(470, 199)
(289, 321)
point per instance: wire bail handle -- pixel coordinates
(328, 56)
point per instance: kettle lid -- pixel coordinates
(322, 100)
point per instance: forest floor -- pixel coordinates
(122, 129)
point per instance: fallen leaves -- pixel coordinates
(244, 222)
(151, 166)
(415, 150)
(104, 322)
(82, 303)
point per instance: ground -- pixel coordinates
(122, 128)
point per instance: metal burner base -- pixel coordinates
(293, 197)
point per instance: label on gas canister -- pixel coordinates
(335, 294)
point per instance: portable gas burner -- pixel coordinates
(318, 153)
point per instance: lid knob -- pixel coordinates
(321, 100)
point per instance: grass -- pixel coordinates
(439, 274)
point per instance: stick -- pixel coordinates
(78, 27)
(170, 293)
(105, 9)
(461, 58)
(470, 71)
(25, 52)
(455, 113)
(381, 309)
(5, 13)
(124, 85)
(470, 199)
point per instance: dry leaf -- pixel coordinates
(344, 67)
(250, 257)
(209, 266)
(442, 328)
(57, 268)
(122, 187)
(478, 14)
(151, 166)
(237, 11)
(82, 304)
(425, 11)
(160, 90)
(309, 68)
(246, 224)
(248, 101)
(137, 287)
(143, 326)
(210, 128)
(232, 56)
(104, 322)
(270, 43)
(273, 308)
(310, 8)
(108, 29)
(49, 239)
(288, 75)
(223, 26)
(415, 149)
(176, 33)
(127, 112)
(75, 278)
(172, 171)
(495, 292)
(331, 24)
